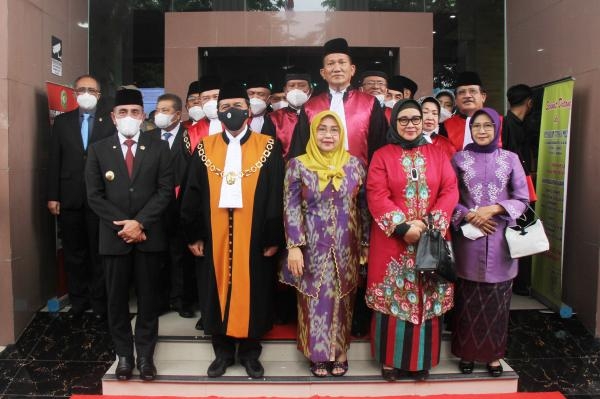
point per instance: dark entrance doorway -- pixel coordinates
(239, 62)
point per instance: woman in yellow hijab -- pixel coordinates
(327, 227)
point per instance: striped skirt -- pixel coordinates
(403, 345)
(481, 315)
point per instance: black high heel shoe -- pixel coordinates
(495, 371)
(419, 375)
(466, 367)
(390, 375)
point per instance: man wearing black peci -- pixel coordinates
(129, 178)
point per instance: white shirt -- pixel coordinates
(215, 126)
(467, 139)
(173, 134)
(135, 138)
(257, 123)
(337, 106)
(231, 194)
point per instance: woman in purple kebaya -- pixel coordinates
(327, 228)
(493, 193)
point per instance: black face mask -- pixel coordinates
(233, 118)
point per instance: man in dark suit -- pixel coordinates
(180, 293)
(72, 134)
(129, 178)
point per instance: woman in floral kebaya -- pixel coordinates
(408, 180)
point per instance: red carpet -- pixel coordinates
(282, 331)
(288, 331)
(518, 395)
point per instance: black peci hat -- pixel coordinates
(335, 46)
(409, 84)
(129, 97)
(258, 80)
(193, 88)
(297, 73)
(372, 70)
(233, 89)
(209, 82)
(396, 83)
(468, 78)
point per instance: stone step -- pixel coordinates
(183, 355)
(293, 379)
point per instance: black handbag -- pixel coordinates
(434, 254)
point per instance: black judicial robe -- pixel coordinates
(229, 307)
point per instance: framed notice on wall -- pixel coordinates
(56, 56)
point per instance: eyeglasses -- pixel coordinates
(91, 90)
(193, 98)
(470, 92)
(372, 83)
(415, 120)
(485, 126)
(333, 132)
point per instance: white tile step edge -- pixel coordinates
(173, 381)
(293, 379)
(272, 351)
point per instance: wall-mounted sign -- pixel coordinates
(56, 56)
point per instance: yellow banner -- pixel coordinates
(551, 188)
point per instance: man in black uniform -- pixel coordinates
(129, 178)
(180, 279)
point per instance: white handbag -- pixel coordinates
(527, 240)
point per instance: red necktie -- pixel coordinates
(129, 156)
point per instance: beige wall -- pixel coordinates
(27, 268)
(567, 30)
(185, 32)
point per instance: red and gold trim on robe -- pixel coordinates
(284, 120)
(357, 109)
(198, 131)
(388, 114)
(455, 127)
(231, 233)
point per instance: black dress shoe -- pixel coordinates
(186, 313)
(390, 375)
(75, 313)
(419, 375)
(495, 371)
(218, 367)
(200, 324)
(466, 367)
(124, 367)
(100, 317)
(253, 368)
(147, 369)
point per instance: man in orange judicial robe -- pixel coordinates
(232, 215)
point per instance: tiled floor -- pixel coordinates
(57, 357)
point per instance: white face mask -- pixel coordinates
(296, 97)
(86, 101)
(163, 120)
(380, 98)
(279, 105)
(257, 106)
(444, 114)
(390, 103)
(128, 126)
(196, 113)
(210, 109)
